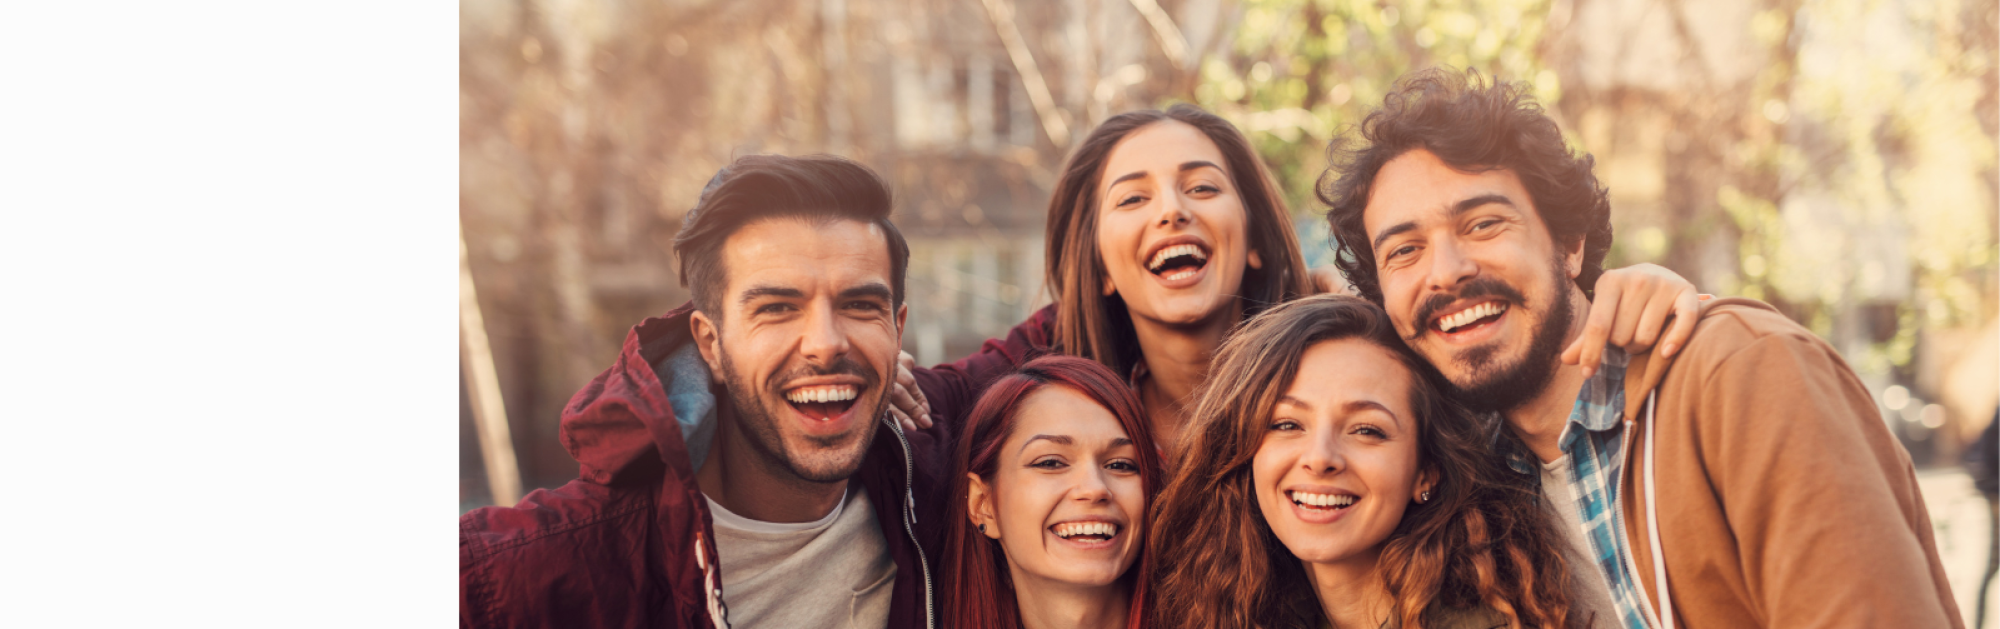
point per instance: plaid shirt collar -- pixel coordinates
(1599, 409)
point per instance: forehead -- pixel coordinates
(1160, 149)
(1333, 373)
(806, 253)
(1061, 410)
(1417, 186)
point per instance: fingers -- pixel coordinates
(1327, 279)
(1597, 329)
(907, 397)
(902, 419)
(1687, 310)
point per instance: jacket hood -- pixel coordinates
(629, 421)
(1647, 370)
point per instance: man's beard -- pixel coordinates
(1501, 388)
(760, 423)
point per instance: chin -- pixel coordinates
(1093, 576)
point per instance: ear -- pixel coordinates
(979, 505)
(708, 338)
(1109, 288)
(1256, 261)
(1573, 259)
(902, 317)
(1426, 481)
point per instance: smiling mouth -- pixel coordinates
(1178, 262)
(1470, 317)
(823, 402)
(1086, 531)
(1322, 502)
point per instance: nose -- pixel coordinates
(1173, 212)
(823, 342)
(1323, 455)
(1449, 265)
(1091, 488)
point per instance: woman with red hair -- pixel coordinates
(1047, 524)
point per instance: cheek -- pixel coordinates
(1117, 238)
(1023, 505)
(1267, 469)
(1225, 215)
(1130, 493)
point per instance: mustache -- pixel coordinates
(846, 365)
(1475, 288)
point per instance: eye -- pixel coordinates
(1366, 430)
(1484, 224)
(1400, 251)
(1123, 465)
(1286, 424)
(1048, 463)
(866, 306)
(774, 308)
(1131, 199)
(1204, 189)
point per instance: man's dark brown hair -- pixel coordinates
(814, 187)
(1474, 125)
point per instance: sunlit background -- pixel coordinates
(1835, 158)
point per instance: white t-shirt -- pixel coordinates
(1589, 590)
(832, 572)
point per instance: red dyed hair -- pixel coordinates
(977, 590)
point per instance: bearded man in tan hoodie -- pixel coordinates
(1752, 459)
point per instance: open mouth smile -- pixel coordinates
(1329, 502)
(1177, 261)
(823, 402)
(1088, 533)
(1322, 506)
(1470, 318)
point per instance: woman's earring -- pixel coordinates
(1424, 497)
(982, 529)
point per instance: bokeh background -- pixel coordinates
(1836, 158)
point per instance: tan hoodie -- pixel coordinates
(1783, 499)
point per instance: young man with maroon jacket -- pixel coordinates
(737, 463)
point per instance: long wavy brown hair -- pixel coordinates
(1093, 326)
(1481, 541)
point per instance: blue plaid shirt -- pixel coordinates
(1594, 441)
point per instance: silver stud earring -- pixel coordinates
(1424, 497)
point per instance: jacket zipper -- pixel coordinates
(910, 519)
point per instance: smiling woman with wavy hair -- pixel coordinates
(1326, 480)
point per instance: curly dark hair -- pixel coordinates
(1474, 125)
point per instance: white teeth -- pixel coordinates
(1465, 317)
(1170, 253)
(1323, 500)
(1072, 529)
(828, 393)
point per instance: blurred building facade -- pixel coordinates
(588, 128)
(1833, 157)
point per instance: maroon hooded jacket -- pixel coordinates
(629, 543)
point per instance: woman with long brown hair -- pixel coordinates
(1165, 231)
(1326, 481)
(1046, 524)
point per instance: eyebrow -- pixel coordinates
(1351, 407)
(1458, 208)
(755, 292)
(1293, 401)
(1362, 405)
(1062, 439)
(1185, 166)
(871, 289)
